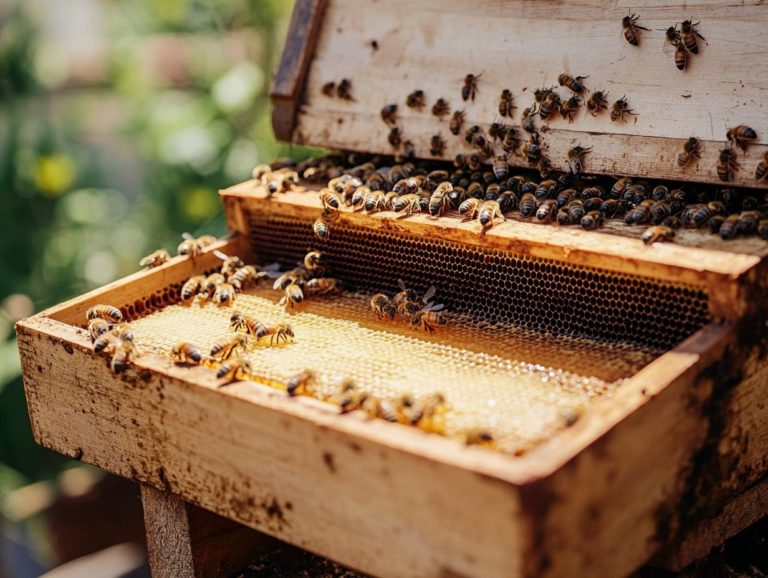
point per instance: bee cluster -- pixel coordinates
(306, 280)
(110, 336)
(492, 194)
(418, 311)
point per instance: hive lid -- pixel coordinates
(388, 49)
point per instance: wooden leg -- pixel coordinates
(185, 541)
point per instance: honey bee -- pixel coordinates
(527, 205)
(457, 120)
(592, 220)
(302, 383)
(441, 108)
(748, 222)
(234, 369)
(527, 120)
(427, 414)
(488, 212)
(106, 342)
(124, 353)
(575, 158)
(429, 316)
(395, 137)
(293, 296)
(762, 228)
(224, 294)
(691, 150)
(439, 201)
(761, 170)
(409, 150)
(506, 103)
(565, 196)
(740, 136)
(612, 208)
(479, 437)
(194, 246)
(657, 233)
(500, 167)
(597, 101)
(322, 286)
(407, 204)
(374, 201)
(541, 94)
(155, 259)
(509, 142)
(470, 208)
(97, 327)
(297, 275)
(681, 56)
(672, 35)
(349, 397)
(321, 227)
(618, 188)
(570, 107)
(574, 84)
(469, 90)
(240, 322)
(229, 264)
(380, 408)
(416, 100)
(389, 114)
(621, 108)
(436, 145)
(545, 189)
(689, 35)
(530, 151)
(727, 228)
(210, 284)
(224, 349)
(105, 312)
(727, 165)
(382, 306)
(344, 89)
(631, 27)
(329, 88)
(260, 171)
(547, 210)
(576, 211)
(244, 276)
(399, 172)
(640, 214)
(191, 287)
(660, 210)
(549, 106)
(186, 353)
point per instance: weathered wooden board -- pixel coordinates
(185, 541)
(591, 498)
(724, 274)
(523, 45)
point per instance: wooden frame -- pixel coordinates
(591, 500)
(726, 275)
(524, 45)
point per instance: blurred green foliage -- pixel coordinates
(96, 173)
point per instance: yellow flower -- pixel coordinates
(54, 174)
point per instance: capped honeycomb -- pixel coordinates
(493, 379)
(493, 285)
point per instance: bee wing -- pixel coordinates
(429, 294)
(433, 307)
(187, 237)
(277, 283)
(220, 255)
(272, 271)
(401, 284)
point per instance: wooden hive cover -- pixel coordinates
(388, 49)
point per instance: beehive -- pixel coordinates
(660, 349)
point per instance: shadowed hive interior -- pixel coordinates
(494, 285)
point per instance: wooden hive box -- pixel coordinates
(668, 459)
